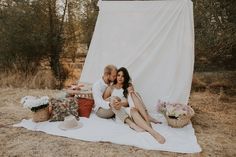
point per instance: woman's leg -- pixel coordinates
(133, 126)
(139, 106)
(124, 117)
(143, 110)
(142, 124)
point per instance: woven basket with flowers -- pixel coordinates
(177, 115)
(39, 107)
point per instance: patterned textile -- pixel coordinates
(62, 108)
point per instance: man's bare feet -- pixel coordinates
(136, 128)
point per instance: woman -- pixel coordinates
(123, 89)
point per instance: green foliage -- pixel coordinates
(86, 15)
(22, 35)
(88, 20)
(215, 25)
(29, 31)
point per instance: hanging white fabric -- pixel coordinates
(154, 40)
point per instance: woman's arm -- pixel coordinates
(107, 93)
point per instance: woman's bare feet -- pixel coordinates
(158, 137)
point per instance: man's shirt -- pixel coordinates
(98, 89)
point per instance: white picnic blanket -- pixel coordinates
(182, 140)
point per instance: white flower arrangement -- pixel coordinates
(34, 103)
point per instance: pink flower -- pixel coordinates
(174, 109)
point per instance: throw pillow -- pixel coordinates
(62, 108)
(85, 107)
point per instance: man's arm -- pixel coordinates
(97, 96)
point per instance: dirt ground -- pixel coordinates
(214, 123)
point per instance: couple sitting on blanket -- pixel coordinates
(114, 95)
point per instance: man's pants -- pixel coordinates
(111, 112)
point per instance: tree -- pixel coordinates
(215, 34)
(87, 16)
(55, 37)
(22, 34)
(32, 30)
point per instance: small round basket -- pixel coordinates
(178, 122)
(41, 115)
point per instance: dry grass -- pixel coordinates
(214, 124)
(215, 82)
(73, 73)
(41, 79)
(198, 85)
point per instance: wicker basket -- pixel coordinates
(179, 122)
(41, 115)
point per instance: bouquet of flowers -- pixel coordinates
(176, 114)
(35, 103)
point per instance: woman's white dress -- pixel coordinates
(119, 93)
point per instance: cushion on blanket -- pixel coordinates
(85, 107)
(62, 108)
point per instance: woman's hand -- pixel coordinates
(130, 89)
(116, 104)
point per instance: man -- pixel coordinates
(103, 108)
(108, 109)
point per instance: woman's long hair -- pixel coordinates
(126, 82)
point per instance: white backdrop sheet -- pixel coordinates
(154, 40)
